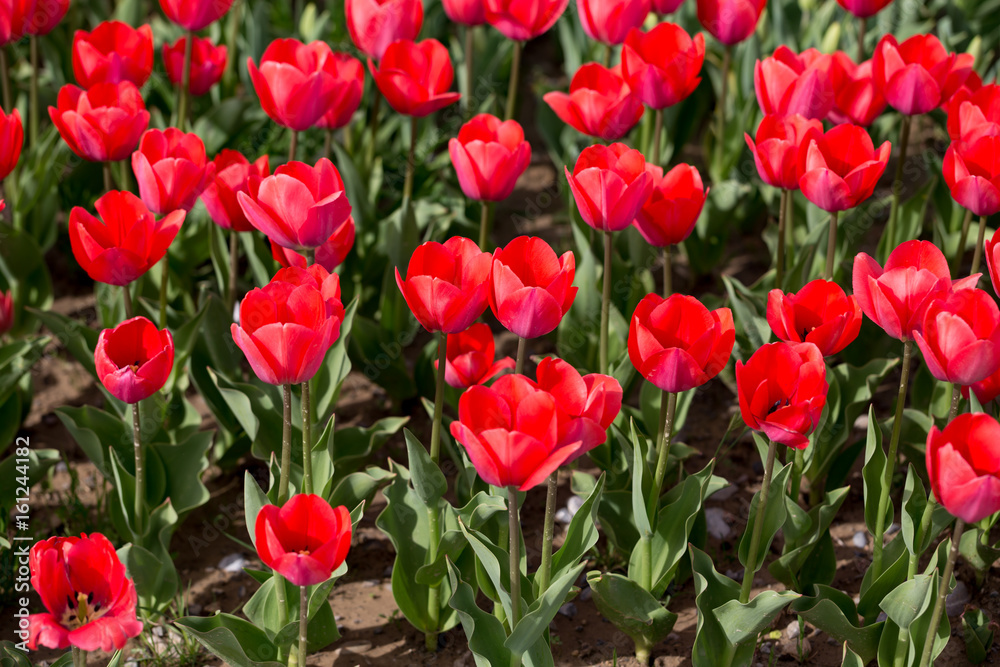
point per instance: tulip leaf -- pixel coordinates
(774, 519)
(712, 591)
(484, 632)
(233, 640)
(16, 359)
(535, 622)
(182, 465)
(979, 556)
(978, 634)
(872, 592)
(834, 612)
(630, 608)
(22, 261)
(743, 622)
(493, 560)
(803, 553)
(334, 369)
(263, 607)
(155, 578)
(359, 487)
(852, 659)
(322, 625)
(748, 312)
(909, 608)
(428, 480)
(641, 484)
(254, 499)
(582, 533)
(11, 656)
(873, 474)
(352, 447)
(38, 461)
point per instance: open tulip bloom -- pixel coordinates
(599, 104)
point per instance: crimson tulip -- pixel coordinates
(856, 97)
(349, 78)
(415, 77)
(592, 401)
(975, 115)
(776, 151)
(521, 20)
(466, 12)
(6, 311)
(124, 242)
(782, 390)
(864, 9)
(11, 141)
(986, 390)
(599, 104)
(330, 255)
(489, 155)
(960, 337)
(663, 7)
(208, 63)
(446, 284)
(840, 169)
(530, 288)
(305, 540)
(375, 24)
(730, 21)
(662, 66)
(896, 297)
(916, 76)
(993, 260)
(286, 328)
(791, 83)
(171, 169)
(610, 184)
(103, 123)
(677, 343)
(972, 172)
(820, 313)
(299, 206)
(134, 360)
(196, 15)
(671, 212)
(608, 21)
(113, 52)
(15, 19)
(963, 463)
(90, 603)
(46, 16)
(470, 359)
(233, 173)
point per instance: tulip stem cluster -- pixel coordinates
(286, 444)
(831, 246)
(977, 255)
(303, 624)
(897, 184)
(140, 470)
(183, 93)
(956, 538)
(548, 533)
(605, 304)
(751, 567)
(515, 75)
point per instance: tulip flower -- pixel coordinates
(489, 155)
(662, 66)
(125, 240)
(90, 603)
(610, 184)
(986, 390)
(864, 9)
(960, 337)
(790, 83)
(993, 260)
(972, 172)
(975, 115)
(103, 123)
(916, 76)
(46, 16)
(233, 173)
(820, 313)
(375, 24)
(197, 15)
(415, 77)
(599, 104)
(299, 206)
(305, 540)
(11, 141)
(330, 255)
(963, 463)
(134, 359)
(349, 76)
(663, 7)
(520, 21)
(674, 205)
(111, 53)
(594, 398)
(6, 311)
(608, 21)
(208, 63)
(857, 99)
(171, 169)
(530, 288)
(15, 19)
(467, 12)
(778, 143)
(730, 21)
(839, 169)
(470, 358)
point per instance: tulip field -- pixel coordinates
(499, 333)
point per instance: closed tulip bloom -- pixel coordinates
(960, 337)
(124, 242)
(489, 155)
(730, 21)
(521, 20)
(349, 78)
(975, 115)
(986, 390)
(11, 141)
(840, 169)
(993, 260)
(963, 463)
(608, 21)
(208, 63)
(330, 255)
(915, 76)
(792, 83)
(134, 360)
(820, 313)
(113, 52)
(472, 358)
(972, 172)
(233, 173)
(46, 16)
(299, 206)
(610, 184)
(286, 328)
(864, 9)
(90, 603)
(305, 540)
(171, 169)
(466, 12)
(782, 390)
(6, 311)
(662, 66)
(103, 123)
(415, 77)
(446, 284)
(672, 210)
(592, 401)
(15, 19)
(776, 150)
(375, 24)
(896, 297)
(666, 6)
(679, 344)
(857, 99)
(195, 15)
(599, 104)
(530, 288)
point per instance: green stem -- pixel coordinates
(925, 525)
(109, 181)
(890, 464)
(862, 31)
(956, 397)
(434, 593)
(328, 144)
(548, 532)
(439, 398)
(779, 260)
(956, 264)
(758, 527)
(831, 246)
(484, 224)
(234, 261)
(605, 304)
(235, 18)
(279, 591)
(657, 136)
(164, 278)
(286, 444)
(293, 145)
(8, 101)
(411, 163)
(515, 75)
(609, 52)
(33, 95)
(797, 470)
(514, 528)
(469, 51)
(721, 111)
(977, 255)
(303, 625)
(140, 471)
(668, 273)
(670, 398)
(897, 185)
(646, 561)
(79, 657)
(956, 537)
(373, 125)
(522, 344)
(790, 227)
(307, 418)
(127, 299)
(185, 91)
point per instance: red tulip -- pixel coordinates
(471, 355)
(171, 169)
(134, 360)
(960, 337)
(521, 20)
(782, 390)
(915, 76)
(233, 173)
(297, 83)
(993, 260)
(840, 169)
(864, 8)
(677, 343)
(47, 15)
(730, 21)
(6, 311)
(446, 284)
(299, 206)
(286, 328)
(349, 76)
(125, 242)
(305, 540)
(610, 184)
(975, 115)
(195, 15)
(857, 99)
(466, 12)
(15, 19)
(776, 151)
(530, 289)
(663, 7)
(608, 21)
(489, 155)
(111, 53)
(208, 63)
(672, 210)
(790, 83)
(896, 297)
(103, 123)
(972, 172)
(330, 255)
(592, 401)
(415, 77)
(820, 314)
(375, 24)
(963, 463)
(599, 104)
(662, 66)
(986, 390)
(11, 141)
(90, 603)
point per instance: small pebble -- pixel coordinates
(370, 583)
(724, 493)
(881, 617)
(860, 540)
(568, 610)
(792, 631)
(673, 637)
(233, 563)
(718, 527)
(158, 631)
(955, 604)
(586, 594)
(892, 529)
(194, 609)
